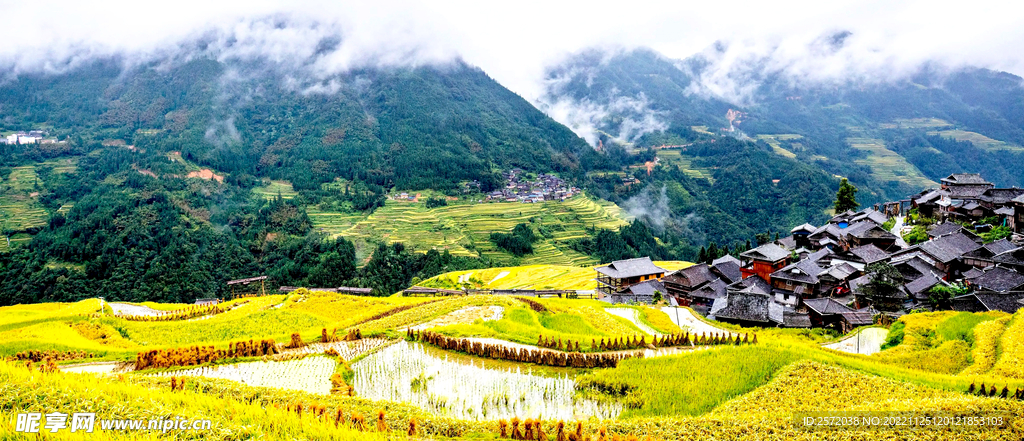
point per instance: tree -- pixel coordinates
(846, 197)
(883, 289)
(941, 296)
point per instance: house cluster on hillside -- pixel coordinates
(815, 277)
(545, 188)
(30, 137)
(970, 198)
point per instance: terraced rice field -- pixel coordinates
(270, 191)
(980, 141)
(776, 142)
(533, 276)
(916, 123)
(887, 165)
(19, 206)
(685, 163)
(464, 229)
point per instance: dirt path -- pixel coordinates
(683, 318)
(867, 341)
(100, 367)
(633, 316)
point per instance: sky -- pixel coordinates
(514, 41)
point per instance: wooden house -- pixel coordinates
(622, 274)
(763, 261)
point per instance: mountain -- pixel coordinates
(891, 136)
(161, 180)
(426, 127)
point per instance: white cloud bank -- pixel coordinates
(514, 42)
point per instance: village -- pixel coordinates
(857, 269)
(30, 137)
(519, 188)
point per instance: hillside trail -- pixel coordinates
(633, 316)
(683, 318)
(866, 342)
(137, 310)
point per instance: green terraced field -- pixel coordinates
(464, 228)
(776, 142)
(270, 191)
(980, 141)
(685, 163)
(19, 208)
(916, 123)
(887, 165)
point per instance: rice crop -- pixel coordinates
(309, 374)
(406, 373)
(1011, 347)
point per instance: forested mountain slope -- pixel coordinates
(890, 136)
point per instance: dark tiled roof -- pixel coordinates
(714, 290)
(621, 269)
(788, 242)
(872, 215)
(747, 307)
(1013, 257)
(928, 196)
(989, 302)
(999, 280)
(869, 253)
(967, 191)
(965, 178)
(808, 228)
(859, 318)
(1000, 246)
(803, 271)
(867, 230)
(753, 284)
(916, 267)
(1001, 196)
(950, 247)
(921, 285)
(645, 288)
(818, 255)
(841, 271)
(691, 277)
(862, 280)
(796, 320)
(768, 251)
(826, 306)
(973, 273)
(729, 270)
(1019, 199)
(725, 258)
(944, 229)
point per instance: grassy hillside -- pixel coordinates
(464, 228)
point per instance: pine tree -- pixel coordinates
(846, 197)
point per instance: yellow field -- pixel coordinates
(531, 277)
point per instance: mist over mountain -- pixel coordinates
(890, 133)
